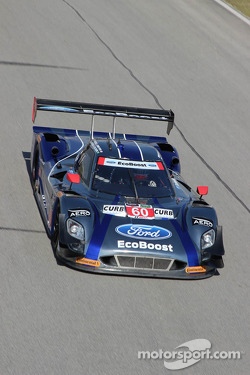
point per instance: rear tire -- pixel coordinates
(35, 171)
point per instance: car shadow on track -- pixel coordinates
(27, 157)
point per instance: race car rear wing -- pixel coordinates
(103, 110)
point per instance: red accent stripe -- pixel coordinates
(34, 109)
(101, 160)
(160, 165)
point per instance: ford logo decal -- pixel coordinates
(150, 232)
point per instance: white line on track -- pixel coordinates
(233, 11)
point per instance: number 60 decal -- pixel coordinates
(141, 212)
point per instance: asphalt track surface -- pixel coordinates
(190, 56)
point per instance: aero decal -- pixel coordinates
(99, 234)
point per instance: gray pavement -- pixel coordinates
(192, 57)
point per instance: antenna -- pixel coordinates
(114, 122)
(92, 127)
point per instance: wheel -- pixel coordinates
(55, 233)
(35, 171)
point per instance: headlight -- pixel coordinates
(207, 239)
(75, 229)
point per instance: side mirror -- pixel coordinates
(74, 178)
(202, 190)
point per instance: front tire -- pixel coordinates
(55, 232)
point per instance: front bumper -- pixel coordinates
(89, 265)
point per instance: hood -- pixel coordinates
(152, 228)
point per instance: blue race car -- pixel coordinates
(116, 203)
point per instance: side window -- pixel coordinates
(86, 161)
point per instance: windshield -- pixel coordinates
(125, 178)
